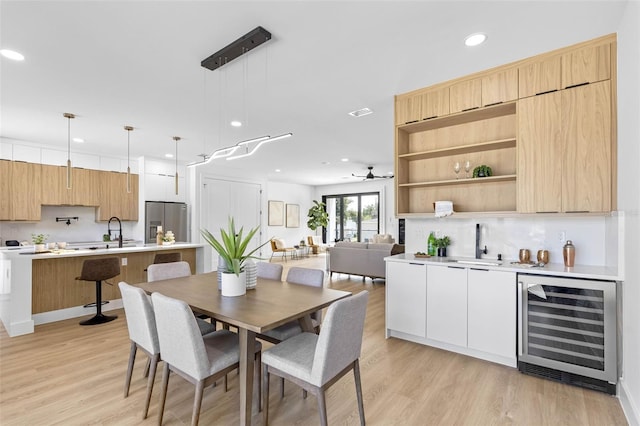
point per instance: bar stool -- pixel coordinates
(98, 270)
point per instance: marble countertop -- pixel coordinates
(28, 252)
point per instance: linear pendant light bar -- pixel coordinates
(229, 151)
(258, 145)
(68, 116)
(233, 50)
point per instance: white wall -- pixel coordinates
(290, 194)
(629, 202)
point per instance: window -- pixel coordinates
(353, 217)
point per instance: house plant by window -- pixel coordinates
(232, 248)
(442, 244)
(317, 216)
(38, 241)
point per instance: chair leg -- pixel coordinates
(197, 403)
(265, 394)
(163, 392)
(145, 373)
(152, 377)
(356, 376)
(258, 363)
(304, 394)
(281, 387)
(322, 408)
(132, 360)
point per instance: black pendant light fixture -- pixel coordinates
(68, 116)
(129, 129)
(176, 138)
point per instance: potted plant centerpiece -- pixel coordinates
(232, 248)
(38, 241)
(441, 244)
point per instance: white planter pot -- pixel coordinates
(39, 247)
(234, 285)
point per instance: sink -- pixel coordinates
(475, 262)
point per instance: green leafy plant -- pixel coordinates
(443, 242)
(482, 171)
(317, 216)
(39, 238)
(232, 246)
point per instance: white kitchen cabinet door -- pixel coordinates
(406, 298)
(447, 304)
(492, 312)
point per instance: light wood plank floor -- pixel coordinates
(65, 374)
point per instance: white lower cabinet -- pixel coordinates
(406, 298)
(447, 304)
(492, 298)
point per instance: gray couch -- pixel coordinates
(366, 259)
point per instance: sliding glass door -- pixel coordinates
(353, 217)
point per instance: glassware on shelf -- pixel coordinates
(467, 167)
(456, 168)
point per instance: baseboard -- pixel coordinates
(631, 412)
(75, 312)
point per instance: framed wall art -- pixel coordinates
(276, 213)
(293, 216)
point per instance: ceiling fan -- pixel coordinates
(371, 176)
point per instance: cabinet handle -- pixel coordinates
(429, 118)
(577, 85)
(551, 211)
(495, 103)
(470, 109)
(577, 211)
(456, 267)
(548, 91)
(409, 122)
(519, 314)
(478, 269)
(417, 264)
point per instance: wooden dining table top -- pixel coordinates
(269, 305)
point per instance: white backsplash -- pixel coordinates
(595, 237)
(84, 229)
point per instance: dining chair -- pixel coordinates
(167, 271)
(315, 362)
(270, 271)
(201, 360)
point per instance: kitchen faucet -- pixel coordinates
(479, 251)
(119, 230)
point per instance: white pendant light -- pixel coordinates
(176, 138)
(68, 116)
(129, 129)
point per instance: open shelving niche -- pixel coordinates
(427, 150)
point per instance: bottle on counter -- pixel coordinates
(431, 245)
(569, 254)
(159, 236)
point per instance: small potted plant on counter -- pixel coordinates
(442, 244)
(38, 241)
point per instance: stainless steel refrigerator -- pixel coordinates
(171, 216)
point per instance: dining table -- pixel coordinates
(270, 304)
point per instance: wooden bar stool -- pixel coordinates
(98, 270)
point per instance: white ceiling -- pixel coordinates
(117, 63)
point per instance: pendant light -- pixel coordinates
(128, 129)
(176, 138)
(68, 116)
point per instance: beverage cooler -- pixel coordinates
(568, 330)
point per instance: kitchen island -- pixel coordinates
(38, 288)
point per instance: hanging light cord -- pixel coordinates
(128, 129)
(68, 116)
(176, 138)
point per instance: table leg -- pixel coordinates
(306, 324)
(247, 352)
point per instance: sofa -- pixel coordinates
(366, 259)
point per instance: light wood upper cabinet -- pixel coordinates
(539, 77)
(54, 186)
(466, 95)
(84, 189)
(540, 154)
(25, 191)
(586, 65)
(408, 109)
(114, 198)
(501, 86)
(435, 103)
(586, 132)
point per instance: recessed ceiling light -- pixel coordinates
(325, 163)
(475, 39)
(277, 170)
(10, 54)
(344, 160)
(361, 112)
(169, 155)
(236, 123)
(78, 140)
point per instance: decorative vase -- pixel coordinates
(442, 252)
(39, 247)
(234, 285)
(251, 271)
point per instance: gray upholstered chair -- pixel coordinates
(200, 360)
(142, 334)
(167, 271)
(304, 276)
(315, 362)
(269, 271)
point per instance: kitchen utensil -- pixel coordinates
(524, 255)
(543, 256)
(569, 254)
(62, 245)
